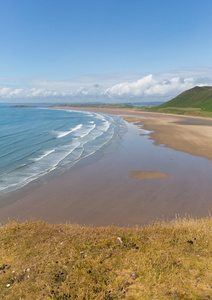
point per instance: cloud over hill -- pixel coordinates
(106, 88)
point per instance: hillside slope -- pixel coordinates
(196, 101)
(197, 97)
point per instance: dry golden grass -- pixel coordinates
(162, 261)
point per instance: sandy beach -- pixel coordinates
(142, 177)
(182, 133)
(179, 134)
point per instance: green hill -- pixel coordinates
(197, 97)
(196, 101)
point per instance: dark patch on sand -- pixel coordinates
(147, 175)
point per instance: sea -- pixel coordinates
(37, 141)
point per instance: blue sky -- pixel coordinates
(110, 51)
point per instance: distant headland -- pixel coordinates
(21, 106)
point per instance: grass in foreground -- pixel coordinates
(163, 261)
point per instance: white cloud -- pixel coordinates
(173, 85)
(136, 88)
(8, 92)
(152, 86)
(107, 87)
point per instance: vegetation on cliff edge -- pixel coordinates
(162, 261)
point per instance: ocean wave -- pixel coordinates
(9, 153)
(105, 126)
(18, 168)
(61, 134)
(89, 150)
(100, 117)
(69, 150)
(44, 155)
(81, 112)
(43, 165)
(89, 131)
(34, 155)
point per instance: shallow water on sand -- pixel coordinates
(99, 191)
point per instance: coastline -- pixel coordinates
(168, 130)
(100, 191)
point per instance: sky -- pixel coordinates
(103, 50)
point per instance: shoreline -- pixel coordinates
(101, 192)
(127, 111)
(196, 142)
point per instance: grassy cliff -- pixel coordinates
(162, 261)
(196, 101)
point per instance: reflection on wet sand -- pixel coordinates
(99, 191)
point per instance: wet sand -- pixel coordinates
(182, 133)
(193, 139)
(100, 191)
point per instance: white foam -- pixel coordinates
(86, 133)
(81, 145)
(61, 134)
(62, 157)
(82, 112)
(105, 126)
(145, 132)
(44, 155)
(90, 152)
(100, 117)
(40, 168)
